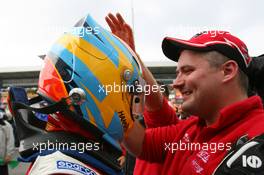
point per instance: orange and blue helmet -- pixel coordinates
(92, 62)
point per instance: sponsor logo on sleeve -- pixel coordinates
(61, 164)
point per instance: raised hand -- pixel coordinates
(121, 29)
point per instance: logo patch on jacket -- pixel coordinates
(246, 157)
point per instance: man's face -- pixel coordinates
(198, 81)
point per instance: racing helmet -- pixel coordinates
(99, 74)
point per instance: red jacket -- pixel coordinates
(154, 120)
(190, 147)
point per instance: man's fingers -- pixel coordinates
(120, 18)
(121, 29)
(110, 24)
(114, 21)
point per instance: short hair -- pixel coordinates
(216, 59)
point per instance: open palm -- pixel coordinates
(121, 29)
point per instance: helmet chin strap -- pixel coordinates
(76, 97)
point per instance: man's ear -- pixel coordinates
(230, 70)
